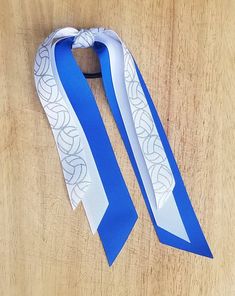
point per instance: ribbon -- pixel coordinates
(91, 171)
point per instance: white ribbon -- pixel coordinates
(80, 172)
(145, 142)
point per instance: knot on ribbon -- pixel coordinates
(86, 37)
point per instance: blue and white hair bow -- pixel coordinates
(91, 171)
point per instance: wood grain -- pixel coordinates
(186, 51)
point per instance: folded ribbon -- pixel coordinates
(90, 168)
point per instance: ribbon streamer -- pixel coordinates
(90, 168)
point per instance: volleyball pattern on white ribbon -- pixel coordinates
(162, 182)
(155, 158)
(85, 38)
(157, 164)
(48, 89)
(42, 61)
(59, 33)
(75, 169)
(153, 150)
(144, 124)
(69, 141)
(64, 129)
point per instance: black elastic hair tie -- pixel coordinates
(92, 75)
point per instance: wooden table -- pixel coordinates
(185, 50)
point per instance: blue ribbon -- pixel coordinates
(198, 243)
(121, 215)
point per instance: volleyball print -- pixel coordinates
(41, 64)
(162, 181)
(68, 140)
(78, 190)
(148, 137)
(129, 71)
(143, 123)
(48, 89)
(57, 114)
(59, 33)
(74, 198)
(136, 95)
(65, 133)
(153, 150)
(74, 168)
(50, 38)
(134, 90)
(84, 39)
